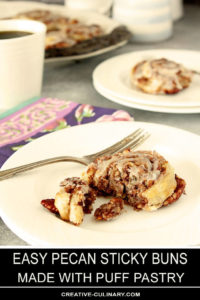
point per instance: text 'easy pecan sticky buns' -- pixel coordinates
(143, 179)
(160, 76)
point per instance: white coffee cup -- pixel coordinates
(21, 62)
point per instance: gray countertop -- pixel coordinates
(74, 82)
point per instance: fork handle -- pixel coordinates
(13, 171)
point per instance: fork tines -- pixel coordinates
(138, 139)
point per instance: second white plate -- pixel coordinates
(113, 75)
(131, 103)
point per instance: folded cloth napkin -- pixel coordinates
(40, 116)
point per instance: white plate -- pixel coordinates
(131, 103)
(8, 9)
(113, 75)
(175, 225)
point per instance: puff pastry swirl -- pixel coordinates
(143, 178)
(160, 76)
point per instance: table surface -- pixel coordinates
(74, 82)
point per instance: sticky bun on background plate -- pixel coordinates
(160, 76)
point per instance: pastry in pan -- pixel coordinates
(62, 31)
(68, 36)
(160, 76)
(52, 20)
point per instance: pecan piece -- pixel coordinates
(49, 204)
(109, 210)
(180, 188)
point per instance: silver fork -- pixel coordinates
(131, 141)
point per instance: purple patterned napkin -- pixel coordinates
(42, 116)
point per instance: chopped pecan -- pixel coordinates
(177, 193)
(49, 204)
(109, 210)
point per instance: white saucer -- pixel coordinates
(113, 77)
(131, 103)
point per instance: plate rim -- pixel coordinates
(145, 107)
